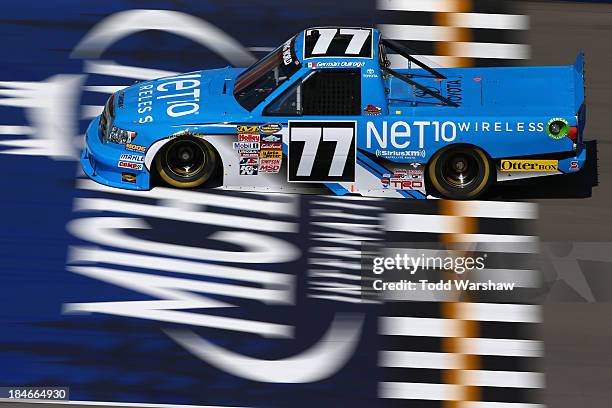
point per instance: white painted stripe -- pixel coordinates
(510, 379)
(91, 111)
(109, 404)
(419, 32)
(111, 68)
(414, 359)
(16, 130)
(488, 247)
(420, 326)
(424, 223)
(265, 206)
(489, 50)
(495, 209)
(27, 152)
(347, 205)
(25, 143)
(492, 21)
(418, 5)
(509, 247)
(422, 391)
(499, 312)
(501, 347)
(492, 238)
(491, 404)
(108, 89)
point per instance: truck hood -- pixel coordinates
(193, 97)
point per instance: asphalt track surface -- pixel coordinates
(577, 333)
(578, 363)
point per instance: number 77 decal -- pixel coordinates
(325, 42)
(321, 151)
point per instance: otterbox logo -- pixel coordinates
(529, 165)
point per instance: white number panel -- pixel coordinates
(338, 42)
(321, 152)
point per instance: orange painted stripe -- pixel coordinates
(450, 310)
(463, 34)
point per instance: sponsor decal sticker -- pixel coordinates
(128, 177)
(336, 64)
(248, 137)
(529, 165)
(248, 170)
(180, 93)
(562, 125)
(247, 129)
(269, 128)
(249, 160)
(400, 173)
(406, 184)
(249, 153)
(267, 145)
(386, 180)
(270, 165)
(246, 145)
(135, 148)
(288, 56)
(370, 73)
(401, 154)
(371, 110)
(271, 154)
(129, 165)
(270, 138)
(404, 178)
(136, 158)
(573, 165)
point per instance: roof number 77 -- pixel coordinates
(327, 35)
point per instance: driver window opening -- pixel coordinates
(327, 92)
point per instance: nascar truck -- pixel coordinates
(328, 111)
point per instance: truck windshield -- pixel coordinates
(262, 78)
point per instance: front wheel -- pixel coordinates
(186, 163)
(460, 172)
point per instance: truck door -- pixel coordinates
(323, 111)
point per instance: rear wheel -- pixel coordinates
(460, 172)
(186, 163)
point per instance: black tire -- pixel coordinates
(460, 172)
(186, 162)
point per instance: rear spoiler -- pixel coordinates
(579, 83)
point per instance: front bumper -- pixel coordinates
(100, 163)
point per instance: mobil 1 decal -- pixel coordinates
(321, 151)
